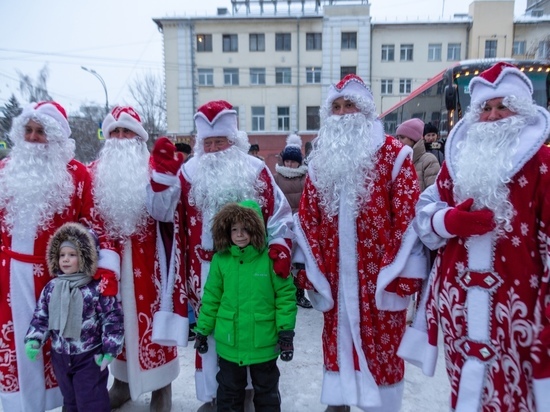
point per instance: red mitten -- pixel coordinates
(280, 256)
(545, 333)
(165, 158)
(108, 286)
(463, 222)
(302, 281)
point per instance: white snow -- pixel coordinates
(301, 379)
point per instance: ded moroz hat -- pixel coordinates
(49, 114)
(350, 86)
(127, 117)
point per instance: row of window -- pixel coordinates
(283, 118)
(256, 42)
(386, 86)
(434, 52)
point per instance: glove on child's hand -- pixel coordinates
(103, 360)
(280, 256)
(201, 343)
(32, 349)
(285, 344)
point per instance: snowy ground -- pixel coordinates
(300, 382)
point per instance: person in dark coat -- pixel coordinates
(433, 143)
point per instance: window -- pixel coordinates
(543, 51)
(283, 118)
(256, 41)
(231, 77)
(282, 41)
(349, 40)
(453, 52)
(388, 52)
(518, 48)
(230, 43)
(405, 86)
(386, 86)
(434, 52)
(312, 118)
(204, 42)
(282, 75)
(257, 76)
(313, 41)
(206, 77)
(345, 70)
(390, 123)
(313, 75)
(258, 118)
(406, 53)
(490, 49)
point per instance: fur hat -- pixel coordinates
(51, 115)
(351, 85)
(430, 128)
(85, 243)
(412, 128)
(293, 149)
(501, 80)
(127, 117)
(247, 212)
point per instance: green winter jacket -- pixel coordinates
(246, 305)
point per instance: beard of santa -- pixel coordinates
(221, 178)
(120, 181)
(35, 184)
(484, 163)
(344, 158)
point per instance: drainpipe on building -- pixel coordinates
(193, 68)
(298, 75)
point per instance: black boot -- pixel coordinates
(161, 399)
(192, 334)
(119, 394)
(301, 299)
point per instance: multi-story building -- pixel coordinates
(275, 60)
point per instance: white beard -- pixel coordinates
(120, 181)
(35, 185)
(344, 159)
(483, 166)
(221, 178)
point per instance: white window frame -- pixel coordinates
(258, 118)
(206, 77)
(453, 52)
(283, 75)
(388, 52)
(283, 118)
(231, 76)
(257, 75)
(406, 52)
(405, 86)
(313, 75)
(434, 52)
(386, 86)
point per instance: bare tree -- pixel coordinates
(85, 132)
(148, 92)
(35, 90)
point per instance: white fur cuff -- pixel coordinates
(164, 179)
(438, 224)
(170, 329)
(541, 388)
(415, 349)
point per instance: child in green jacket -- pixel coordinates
(249, 309)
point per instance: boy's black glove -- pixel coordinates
(286, 339)
(201, 343)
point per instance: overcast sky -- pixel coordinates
(119, 40)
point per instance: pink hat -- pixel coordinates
(127, 117)
(47, 113)
(413, 129)
(350, 86)
(501, 80)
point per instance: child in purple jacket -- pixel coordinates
(85, 327)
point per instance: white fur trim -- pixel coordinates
(480, 252)
(478, 310)
(170, 329)
(352, 88)
(415, 349)
(206, 385)
(126, 121)
(438, 224)
(405, 152)
(223, 124)
(541, 389)
(164, 179)
(510, 81)
(471, 386)
(109, 259)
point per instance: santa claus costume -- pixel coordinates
(489, 213)
(120, 177)
(353, 228)
(191, 196)
(41, 188)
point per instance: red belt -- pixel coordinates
(22, 257)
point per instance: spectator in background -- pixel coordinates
(290, 178)
(426, 165)
(254, 151)
(185, 149)
(434, 144)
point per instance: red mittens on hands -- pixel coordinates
(165, 157)
(404, 286)
(108, 286)
(280, 256)
(463, 222)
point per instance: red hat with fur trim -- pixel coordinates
(501, 80)
(126, 117)
(216, 118)
(350, 86)
(51, 115)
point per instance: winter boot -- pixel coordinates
(208, 407)
(249, 400)
(192, 334)
(119, 394)
(301, 299)
(339, 408)
(161, 399)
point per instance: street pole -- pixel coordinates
(92, 71)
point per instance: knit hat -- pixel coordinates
(430, 128)
(127, 117)
(293, 149)
(50, 114)
(413, 129)
(183, 148)
(349, 86)
(501, 80)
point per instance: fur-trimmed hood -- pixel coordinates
(85, 242)
(249, 213)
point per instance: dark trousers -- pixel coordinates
(82, 384)
(232, 382)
